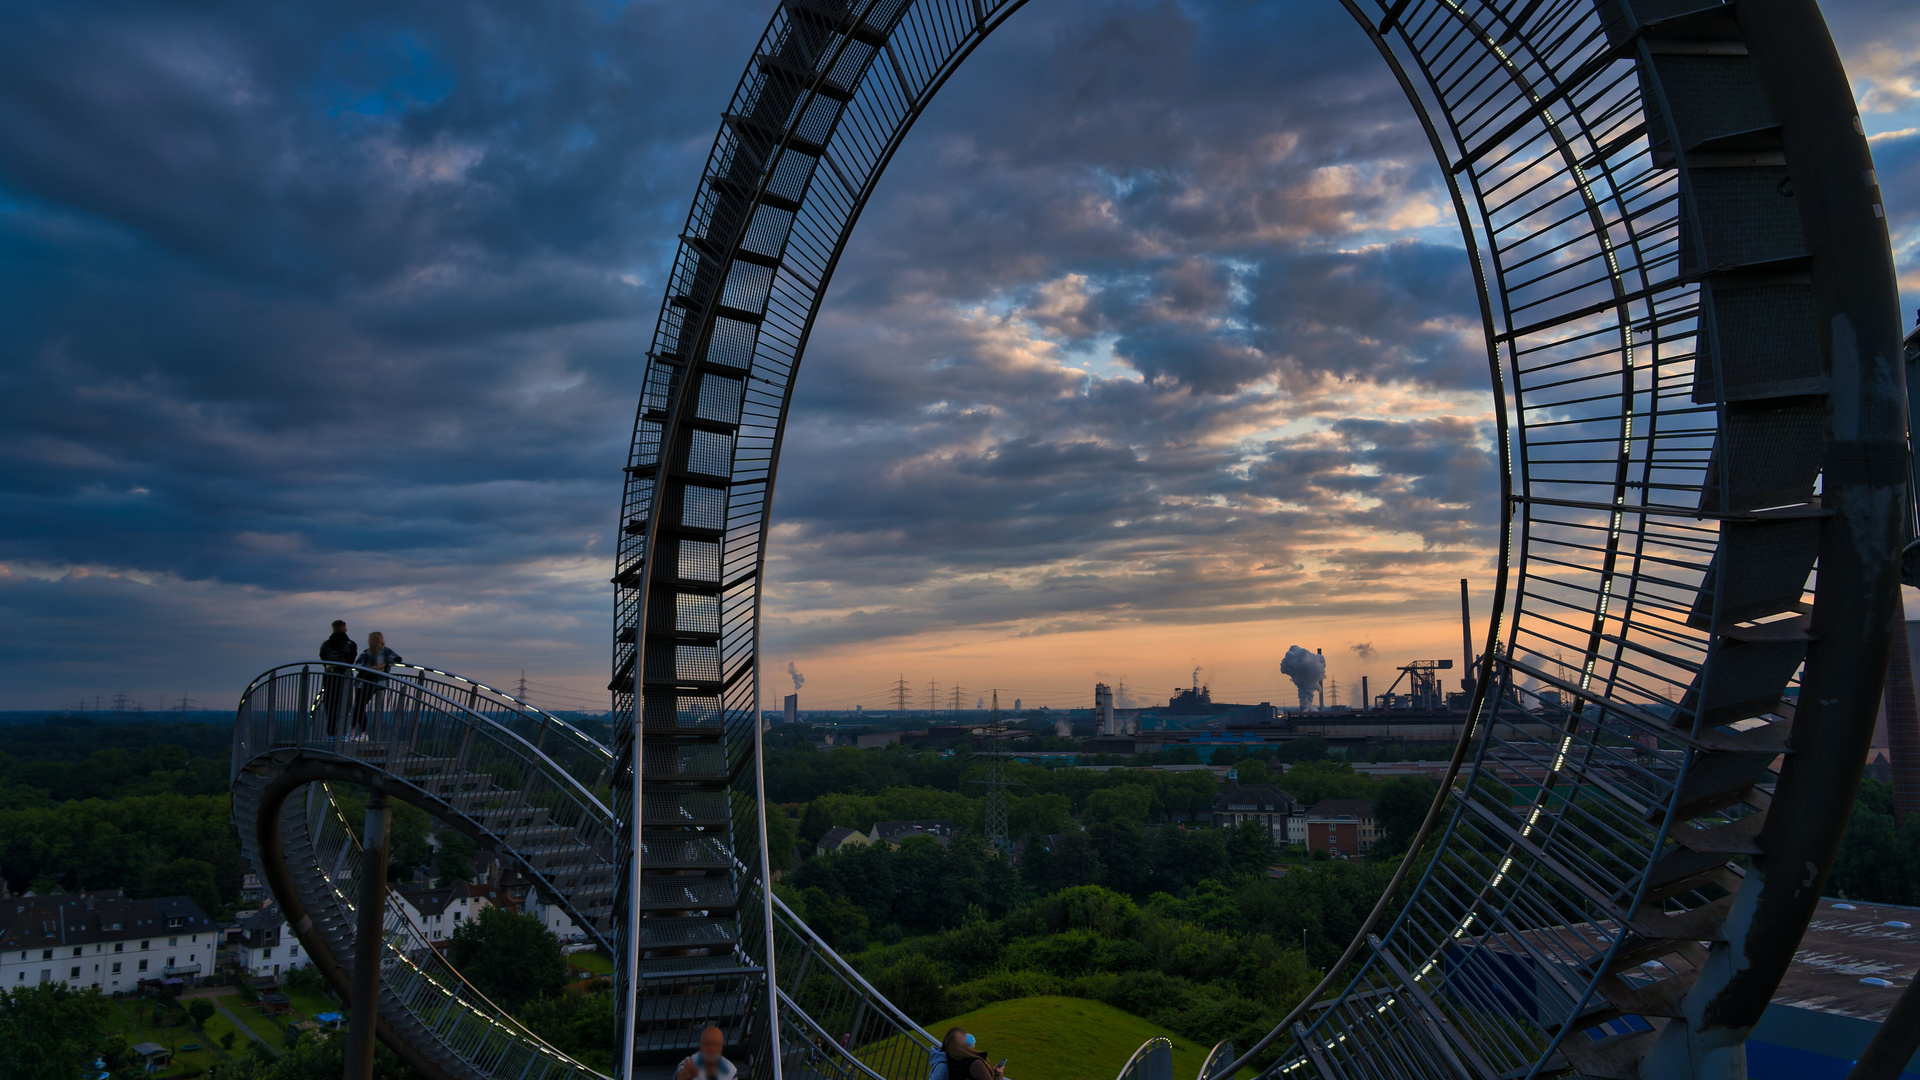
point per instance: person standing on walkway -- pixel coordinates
(380, 658)
(338, 651)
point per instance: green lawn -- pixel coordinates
(267, 1027)
(132, 1018)
(590, 961)
(1064, 1038)
(311, 1003)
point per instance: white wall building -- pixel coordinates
(439, 912)
(103, 940)
(267, 944)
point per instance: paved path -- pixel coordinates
(239, 1023)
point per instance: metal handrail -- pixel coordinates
(592, 823)
(1221, 1050)
(591, 746)
(380, 677)
(398, 924)
(793, 923)
(1157, 1044)
(793, 1009)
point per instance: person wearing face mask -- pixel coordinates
(707, 1064)
(964, 1061)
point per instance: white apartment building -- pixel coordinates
(103, 940)
(439, 912)
(268, 945)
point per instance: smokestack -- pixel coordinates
(1323, 666)
(1466, 639)
(1366, 703)
(1307, 670)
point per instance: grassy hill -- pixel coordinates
(1064, 1038)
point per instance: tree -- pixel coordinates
(1124, 804)
(191, 878)
(512, 958)
(200, 1010)
(1312, 781)
(454, 860)
(1075, 861)
(1304, 748)
(1399, 806)
(816, 822)
(782, 838)
(1250, 848)
(49, 1032)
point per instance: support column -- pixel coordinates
(369, 925)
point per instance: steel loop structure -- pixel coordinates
(1692, 336)
(1690, 315)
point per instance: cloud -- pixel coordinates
(1158, 321)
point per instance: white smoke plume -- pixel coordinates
(1307, 670)
(1365, 651)
(799, 680)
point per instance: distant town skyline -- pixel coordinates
(1157, 348)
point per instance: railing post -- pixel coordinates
(370, 925)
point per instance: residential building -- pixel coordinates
(103, 941)
(894, 833)
(840, 837)
(1262, 804)
(1341, 826)
(519, 889)
(439, 912)
(267, 946)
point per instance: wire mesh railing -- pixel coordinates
(471, 768)
(414, 973)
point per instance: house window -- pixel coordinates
(74, 974)
(172, 941)
(118, 945)
(143, 965)
(46, 974)
(116, 967)
(77, 952)
(145, 945)
(293, 950)
(46, 954)
(266, 954)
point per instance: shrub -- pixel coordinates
(917, 985)
(1002, 986)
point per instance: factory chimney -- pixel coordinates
(1322, 653)
(1466, 640)
(1103, 710)
(1366, 703)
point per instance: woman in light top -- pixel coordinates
(380, 658)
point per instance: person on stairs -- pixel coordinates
(707, 1064)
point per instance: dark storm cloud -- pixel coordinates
(339, 309)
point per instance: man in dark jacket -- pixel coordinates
(338, 649)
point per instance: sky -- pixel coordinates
(1154, 354)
